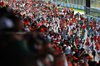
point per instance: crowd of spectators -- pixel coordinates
(38, 33)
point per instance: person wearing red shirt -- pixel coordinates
(84, 26)
(71, 15)
(97, 47)
(98, 38)
(25, 23)
(94, 26)
(87, 45)
(95, 38)
(92, 39)
(76, 42)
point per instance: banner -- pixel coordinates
(72, 5)
(79, 7)
(75, 6)
(91, 9)
(82, 8)
(56, 3)
(97, 19)
(94, 10)
(69, 5)
(98, 9)
(62, 4)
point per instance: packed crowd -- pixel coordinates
(38, 33)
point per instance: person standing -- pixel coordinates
(94, 54)
(86, 57)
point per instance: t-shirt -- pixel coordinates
(98, 51)
(69, 64)
(85, 61)
(49, 37)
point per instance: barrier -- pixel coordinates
(62, 4)
(75, 6)
(79, 7)
(91, 9)
(98, 9)
(72, 5)
(69, 5)
(82, 8)
(97, 19)
(56, 3)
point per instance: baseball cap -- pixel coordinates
(74, 58)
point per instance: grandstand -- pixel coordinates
(50, 32)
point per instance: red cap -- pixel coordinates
(74, 58)
(76, 50)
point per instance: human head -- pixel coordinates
(59, 60)
(90, 58)
(86, 56)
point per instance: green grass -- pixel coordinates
(95, 14)
(79, 10)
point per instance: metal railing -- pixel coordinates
(92, 12)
